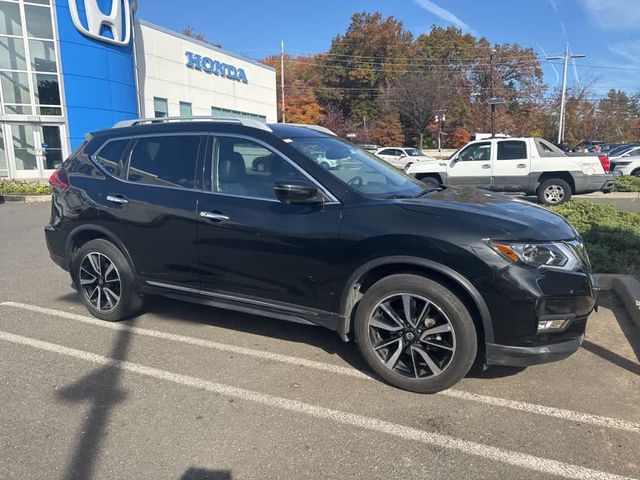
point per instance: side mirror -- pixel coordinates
(402, 155)
(297, 192)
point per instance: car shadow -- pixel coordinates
(288, 331)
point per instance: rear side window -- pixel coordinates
(167, 160)
(110, 156)
(512, 150)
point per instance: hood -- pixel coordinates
(492, 215)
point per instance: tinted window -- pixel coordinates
(512, 150)
(246, 168)
(110, 156)
(169, 160)
(387, 151)
(478, 152)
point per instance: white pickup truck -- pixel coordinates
(529, 165)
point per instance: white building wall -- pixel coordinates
(163, 73)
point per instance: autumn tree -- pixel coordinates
(417, 96)
(359, 63)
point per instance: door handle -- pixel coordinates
(486, 165)
(521, 165)
(117, 199)
(214, 216)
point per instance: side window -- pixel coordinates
(478, 152)
(635, 153)
(246, 168)
(167, 160)
(110, 156)
(387, 151)
(512, 150)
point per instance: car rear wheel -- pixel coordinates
(105, 281)
(636, 172)
(415, 333)
(554, 191)
(261, 167)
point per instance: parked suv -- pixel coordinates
(426, 281)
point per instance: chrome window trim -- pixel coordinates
(95, 154)
(332, 199)
(323, 189)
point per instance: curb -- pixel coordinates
(627, 288)
(610, 196)
(25, 198)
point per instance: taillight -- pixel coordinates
(605, 162)
(59, 178)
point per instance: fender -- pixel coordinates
(485, 316)
(103, 231)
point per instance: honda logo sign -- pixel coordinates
(118, 21)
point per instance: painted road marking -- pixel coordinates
(533, 408)
(509, 457)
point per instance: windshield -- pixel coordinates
(363, 172)
(413, 152)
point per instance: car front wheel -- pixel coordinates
(415, 333)
(105, 281)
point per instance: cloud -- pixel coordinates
(555, 70)
(628, 50)
(446, 15)
(554, 5)
(614, 14)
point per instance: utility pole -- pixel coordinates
(563, 97)
(493, 101)
(440, 119)
(282, 78)
(491, 95)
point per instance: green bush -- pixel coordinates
(612, 237)
(21, 187)
(628, 183)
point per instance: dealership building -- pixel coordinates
(68, 67)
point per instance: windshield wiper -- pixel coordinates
(429, 190)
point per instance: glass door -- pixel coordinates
(33, 150)
(51, 149)
(23, 150)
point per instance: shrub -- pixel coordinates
(628, 183)
(612, 237)
(21, 187)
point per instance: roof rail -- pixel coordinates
(317, 128)
(247, 122)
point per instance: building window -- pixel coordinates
(185, 109)
(29, 76)
(226, 113)
(160, 107)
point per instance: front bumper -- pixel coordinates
(525, 356)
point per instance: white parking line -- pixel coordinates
(521, 460)
(533, 408)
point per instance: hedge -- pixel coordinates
(628, 183)
(612, 237)
(8, 187)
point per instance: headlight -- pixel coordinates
(554, 255)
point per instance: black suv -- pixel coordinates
(425, 280)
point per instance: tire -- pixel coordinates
(554, 191)
(261, 167)
(112, 296)
(430, 182)
(325, 165)
(451, 351)
(636, 172)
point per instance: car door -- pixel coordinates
(511, 166)
(471, 167)
(389, 154)
(253, 247)
(153, 206)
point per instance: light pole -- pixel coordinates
(440, 119)
(565, 58)
(493, 101)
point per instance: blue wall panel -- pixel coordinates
(98, 77)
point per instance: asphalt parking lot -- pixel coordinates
(189, 392)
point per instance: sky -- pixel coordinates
(607, 31)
